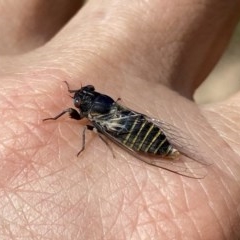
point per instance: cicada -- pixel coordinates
(150, 140)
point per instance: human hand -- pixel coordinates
(139, 52)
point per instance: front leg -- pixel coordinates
(73, 113)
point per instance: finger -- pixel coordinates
(27, 24)
(157, 48)
(158, 41)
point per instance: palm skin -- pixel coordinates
(47, 192)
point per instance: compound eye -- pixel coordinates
(77, 102)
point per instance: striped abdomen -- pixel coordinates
(143, 136)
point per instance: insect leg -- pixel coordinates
(73, 113)
(87, 127)
(92, 128)
(70, 90)
(108, 145)
(118, 99)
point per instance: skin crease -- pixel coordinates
(152, 54)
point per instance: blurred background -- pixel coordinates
(224, 80)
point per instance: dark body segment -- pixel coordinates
(134, 131)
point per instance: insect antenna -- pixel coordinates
(71, 90)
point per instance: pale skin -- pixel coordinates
(146, 53)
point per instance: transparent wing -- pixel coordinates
(190, 163)
(181, 140)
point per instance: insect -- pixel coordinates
(150, 140)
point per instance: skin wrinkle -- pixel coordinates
(148, 211)
(169, 218)
(233, 198)
(190, 209)
(227, 222)
(102, 222)
(105, 226)
(155, 206)
(170, 232)
(16, 169)
(227, 124)
(63, 137)
(182, 232)
(230, 141)
(28, 225)
(227, 120)
(222, 126)
(141, 192)
(213, 210)
(111, 227)
(19, 216)
(219, 223)
(111, 191)
(224, 220)
(126, 204)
